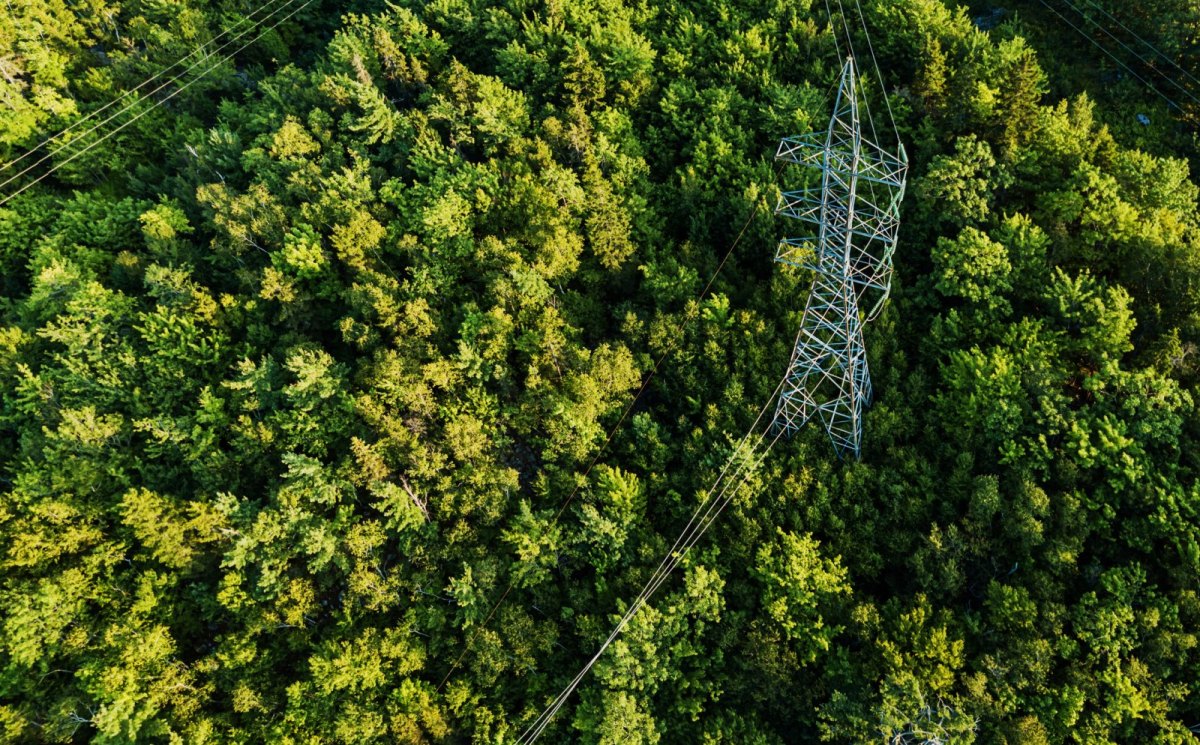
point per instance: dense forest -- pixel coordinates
(317, 362)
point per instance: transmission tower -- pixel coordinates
(856, 213)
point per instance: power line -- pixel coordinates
(208, 56)
(704, 517)
(701, 515)
(536, 730)
(1100, 46)
(1127, 48)
(612, 433)
(140, 114)
(878, 73)
(669, 563)
(854, 55)
(129, 92)
(874, 60)
(1134, 34)
(837, 46)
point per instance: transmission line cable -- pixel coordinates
(670, 562)
(4, 200)
(1129, 49)
(1134, 34)
(878, 73)
(1100, 46)
(612, 433)
(701, 520)
(833, 30)
(141, 85)
(712, 511)
(702, 514)
(706, 520)
(704, 517)
(854, 54)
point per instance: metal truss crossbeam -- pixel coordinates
(855, 210)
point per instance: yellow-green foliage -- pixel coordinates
(308, 367)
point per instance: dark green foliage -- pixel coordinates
(297, 374)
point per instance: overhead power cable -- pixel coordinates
(703, 516)
(874, 60)
(1100, 46)
(138, 87)
(702, 519)
(833, 31)
(854, 54)
(728, 485)
(1129, 49)
(158, 103)
(491, 613)
(535, 731)
(878, 73)
(1134, 34)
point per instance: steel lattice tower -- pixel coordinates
(856, 211)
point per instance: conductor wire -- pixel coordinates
(136, 88)
(123, 110)
(701, 520)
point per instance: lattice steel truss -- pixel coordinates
(856, 211)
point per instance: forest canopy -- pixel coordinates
(318, 352)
